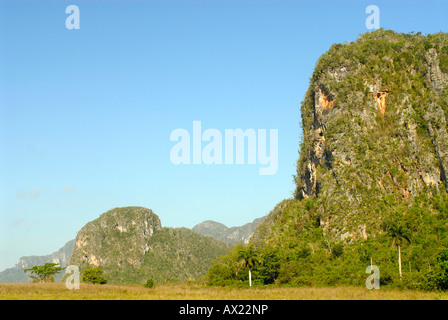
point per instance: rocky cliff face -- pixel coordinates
(435, 77)
(118, 237)
(374, 124)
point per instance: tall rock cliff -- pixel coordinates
(374, 153)
(374, 125)
(118, 237)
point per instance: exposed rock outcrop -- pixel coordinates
(119, 236)
(380, 98)
(436, 78)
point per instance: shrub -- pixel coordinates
(220, 275)
(94, 276)
(338, 250)
(149, 284)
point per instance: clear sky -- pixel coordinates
(86, 115)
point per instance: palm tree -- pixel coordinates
(398, 234)
(248, 258)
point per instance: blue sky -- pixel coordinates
(86, 115)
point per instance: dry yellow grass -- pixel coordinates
(55, 291)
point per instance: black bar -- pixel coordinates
(226, 309)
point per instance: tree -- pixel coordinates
(248, 258)
(94, 276)
(398, 234)
(270, 265)
(45, 272)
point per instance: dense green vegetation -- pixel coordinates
(301, 254)
(174, 255)
(370, 185)
(181, 254)
(94, 276)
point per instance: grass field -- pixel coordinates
(55, 291)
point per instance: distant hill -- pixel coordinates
(17, 274)
(231, 235)
(131, 246)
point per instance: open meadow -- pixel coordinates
(186, 291)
